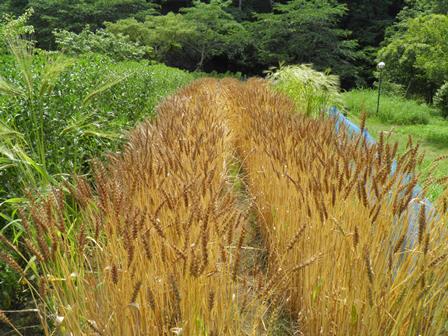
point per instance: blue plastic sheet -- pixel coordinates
(417, 199)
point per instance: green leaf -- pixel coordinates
(104, 87)
(353, 315)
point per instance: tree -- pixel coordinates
(191, 38)
(419, 7)
(216, 32)
(417, 54)
(165, 34)
(369, 19)
(302, 31)
(12, 28)
(74, 15)
(15, 7)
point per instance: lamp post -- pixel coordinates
(380, 67)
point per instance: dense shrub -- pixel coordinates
(75, 129)
(393, 110)
(416, 55)
(116, 46)
(312, 91)
(11, 28)
(441, 99)
(390, 88)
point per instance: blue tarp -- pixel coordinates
(417, 199)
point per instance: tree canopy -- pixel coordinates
(74, 15)
(417, 54)
(250, 36)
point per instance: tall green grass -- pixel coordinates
(57, 113)
(393, 109)
(312, 91)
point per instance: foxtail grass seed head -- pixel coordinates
(296, 237)
(8, 260)
(94, 327)
(211, 300)
(151, 299)
(399, 243)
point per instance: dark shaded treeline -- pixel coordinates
(344, 36)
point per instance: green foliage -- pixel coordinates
(8, 285)
(59, 115)
(369, 19)
(30, 89)
(14, 7)
(441, 99)
(302, 31)
(393, 110)
(116, 46)
(390, 88)
(417, 57)
(166, 34)
(60, 119)
(207, 33)
(12, 28)
(312, 91)
(438, 136)
(415, 8)
(216, 31)
(200, 33)
(74, 15)
(219, 35)
(230, 35)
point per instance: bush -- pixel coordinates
(416, 56)
(441, 99)
(391, 88)
(116, 46)
(11, 28)
(393, 110)
(312, 91)
(76, 129)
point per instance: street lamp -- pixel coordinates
(380, 67)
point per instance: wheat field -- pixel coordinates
(232, 213)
